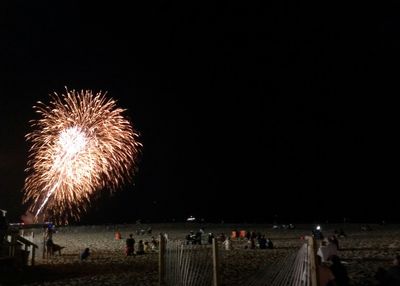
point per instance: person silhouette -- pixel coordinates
(339, 271)
(49, 246)
(85, 254)
(270, 245)
(227, 243)
(262, 242)
(130, 245)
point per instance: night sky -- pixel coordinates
(245, 111)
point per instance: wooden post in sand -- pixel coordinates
(33, 255)
(161, 260)
(312, 252)
(215, 262)
(44, 246)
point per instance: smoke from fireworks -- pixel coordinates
(81, 144)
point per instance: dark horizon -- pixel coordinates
(244, 112)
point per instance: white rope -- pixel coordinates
(292, 270)
(191, 265)
(188, 265)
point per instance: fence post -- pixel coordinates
(215, 262)
(44, 246)
(161, 260)
(13, 244)
(33, 255)
(312, 260)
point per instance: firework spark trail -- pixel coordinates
(81, 144)
(49, 193)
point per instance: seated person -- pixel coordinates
(262, 242)
(146, 247)
(85, 254)
(227, 243)
(140, 248)
(153, 244)
(270, 245)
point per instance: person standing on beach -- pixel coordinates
(49, 246)
(130, 245)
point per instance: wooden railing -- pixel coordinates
(19, 247)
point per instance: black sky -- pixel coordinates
(245, 111)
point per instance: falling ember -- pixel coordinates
(81, 144)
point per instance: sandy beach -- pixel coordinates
(361, 251)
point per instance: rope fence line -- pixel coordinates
(186, 265)
(270, 272)
(197, 265)
(296, 269)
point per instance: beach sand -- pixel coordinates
(361, 251)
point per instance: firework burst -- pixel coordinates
(81, 144)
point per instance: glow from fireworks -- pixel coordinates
(81, 144)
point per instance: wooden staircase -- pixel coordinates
(15, 251)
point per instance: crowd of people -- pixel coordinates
(141, 247)
(331, 269)
(253, 239)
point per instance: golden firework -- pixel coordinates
(81, 144)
